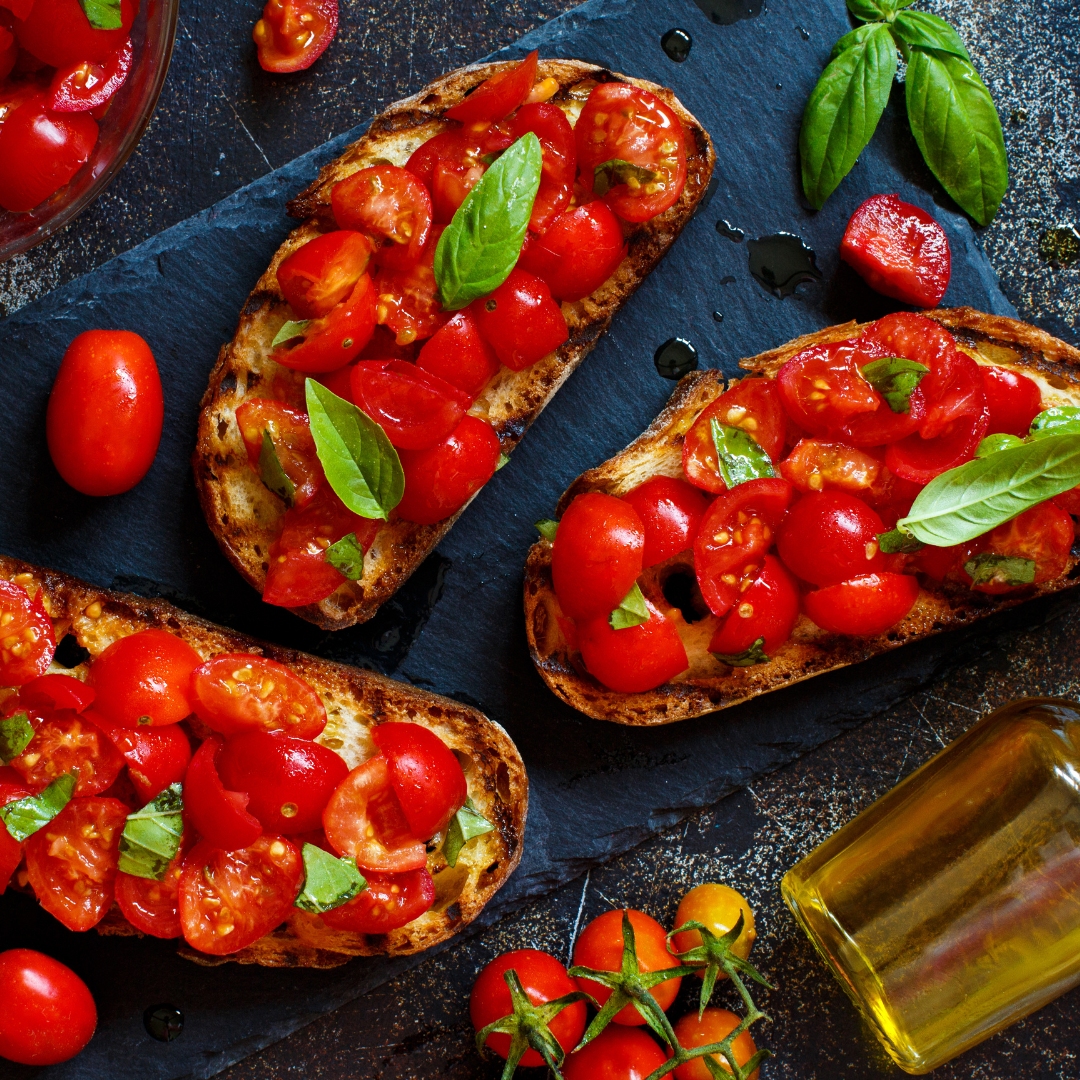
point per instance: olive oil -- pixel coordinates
(781, 263)
(677, 43)
(675, 358)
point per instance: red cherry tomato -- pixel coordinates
(426, 776)
(458, 354)
(58, 33)
(920, 460)
(230, 899)
(156, 757)
(364, 821)
(899, 249)
(578, 252)
(498, 96)
(1013, 399)
(670, 511)
(636, 658)
(450, 165)
(597, 555)
(64, 742)
(408, 296)
(220, 815)
(332, 341)
(963, 397)
(153, 907)
(293, 34)
(520, 321)
(56, 692)
(549, 124)
(830, 536)
(11, 789)
(1044, 534)
(768, 609)
(864, 606)
(388, 202)
(88, 85)
(144, 678)
(48, 1014)
(290, 430)
(822, 387)
(617, 1053)
(315, 278)
(713, 1026)
(27, 643)
(289, 780)
(439, 481)
(600, 946)
(622, 122)
(818, 465)
(9, 52)
(105, 412)
(388, 902)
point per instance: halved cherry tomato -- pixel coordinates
(388, 902)
(71, 862)
(1044, 534)
(439, 481)
(144, 678)
(64, 742)
(332, 341)
(1013, 399)
(389, 202)
(408, 296)
(293, 34)
(219, 814)
(822, 387)
(920, 460)
(12, 787)
(156, 757)
(58, 32)
(670, 511)
(520, 321)
(712, 1026)
(315, 278)
(56, 692)
(87, 85)
(364, 821)
(230, 899)
(154, 906)
(27, 643)
(636, 658)
(9, 53)
(458, 354)
(864, 606)
(290, 430)
(450, 166)
(549, 124)
(1069, 501)
(962, 397)
(768, 609)
(819, 465)
(830, 536)
(617, 1053)
(499, 95)
(426, 777)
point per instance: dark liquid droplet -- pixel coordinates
(675, 358)
(1061, 246)
(727, 12)
(781, 263)
(779, 86)
(718, 316)
(725, 228)
(676, 43)
(707, 198)
(803, 33)
(163, 1022)
(729, 280)
(1018, 116)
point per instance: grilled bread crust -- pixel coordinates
(709, 685)
(241, 512)
(355, 702)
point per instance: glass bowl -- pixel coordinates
(152, 36)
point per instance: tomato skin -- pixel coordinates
(319, 275)
(831, 372)
(520, 321)
(65, 742)
(1013, 400)
(290, 430)
(30, 653)
(153, 907)
(333, 340)
(10, 856)
(635, 659)
(219, 815)
(389, 202)
(670, 511)
(58, 33)
(899, 250)
(87, 85)
(439, 481)
(920, 460)
(864, 606)
(48, 1015)
(388, 902)
(156, 757)
(617, 1053)
(56, 692)
(768, 609)
(285, 42)
(713, 1026)
(498, 96)
(1043, 533)
(105, 412)
(717, 908)
(830, 536)
(549, 124)
(450, 165)
(458, 354)
(543, 979)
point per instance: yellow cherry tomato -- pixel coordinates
(716, 907)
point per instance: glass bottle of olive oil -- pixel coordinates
(951, 907)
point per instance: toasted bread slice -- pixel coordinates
(708, 684)
(241, 512)
(355, 702)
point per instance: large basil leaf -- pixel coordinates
(464, 825)
(852, 37)
(24, 817)
(876, 9)
(894, 378)
(103, 14)
(1060, 420)
(928, 31)
(632, 610)
(843, 111)
(481, 245)
(362, 467)
(739, 456)
(958, 130)
(152, 835)
(329, 881)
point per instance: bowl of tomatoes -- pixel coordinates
(79, 80)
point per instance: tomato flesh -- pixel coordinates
(56, 692)
(316, 277)
(293, 34)
(331, 341)
(768, 609)
(458, 354)
(498, 96)
(388, 902)
(88, 85)
(388, 202)
(636, 658)
(27, 643)
(156, 757)
(920, 460)
(830, 536)
(220, 815)
(864, 606)
(822, 387)
(153, 907)
(290, 431)
(65, 742)
(670, 511)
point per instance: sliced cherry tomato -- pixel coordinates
(767, 610)
(735, 534)
(220, 815)
(364, 821)
(899, 249)
(65, 742)
(822, 387)
(670, 511)
(71, 862)
(156, 757)
(624, 123)
(230, 899)
(520, 321)
(617, 1053)
(450, 165)
(27, 643)
(636, 658)
(426, 777)
(87, 85)
(830, 536)
(549, 124)
(819, 465)
(578, 252)
(864, 606)
(145, 678)
(498, 96)
(920, 460)
(389, 202)
(717, 907)
(58, 33)
(56, 692)
(408, 296)
(153, 907)
(293, 34)
(1044, 534)
(1013, 399)
(315, 278)
(12, 787)
(289, 780)
(712, 1026)
(290, 430)
(458, 354)
(441, 480)
(388, 902)
(332, 341)
(963, 397)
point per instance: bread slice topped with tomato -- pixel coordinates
(451, 270)
(864, 486)
(255, 803)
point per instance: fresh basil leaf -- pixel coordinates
(870, 10)
(987, 568)
(467, 823)
(852, 37)
(103, 14)
(754, 655)
(843, 111)
(1060, 420)
(271, 472)
(290, 331)
(993, 443)
(929, 31)
(151, 837)
(329, 881)
(546, 528)
(739, 456)
(632, 610)
(894, 378)
(481, 245)
(362, 467)
(504, 460)
(616, 171)
(979, 495)
(894, 542)
(15, 735)
(24, 817)
(347, 556)
(958, 130)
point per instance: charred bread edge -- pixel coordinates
(996, 339)
(496, 774)
(246, 542)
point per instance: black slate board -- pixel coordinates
(597, 789)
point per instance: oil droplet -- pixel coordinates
(781, 263)
(1060, 246)
(163, 1022)
(729, 280)
(707, 198)
(676, 43)
(675, 358)
(727, 12)
(718, 316)
(779, 86)
(803, 33)
(1018, 116)
(725, 228)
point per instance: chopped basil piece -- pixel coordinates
(504, 460)
(1061, 420)
(103, 14)
(894, 541)
(15, 735)
(329, 881)
(466, 824)
(152, 835)
(615, 171)
(754, 655)
(347, 556)
(632, 611)
(894, 378)
(289, 332)
(546, 528)
(271, 472)
(988, 568)
(739, 455)
(24, 817)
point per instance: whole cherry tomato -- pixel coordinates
(717, 907)
(156, 757)
(458, 354)
(520, 321)
(864, 606)
(713, 1026)
(65, 742)
(670, 511)
(331, 341)
(293, 34)
(89, 85)
(316, 277)
(1013, 399)
(27, 643)
(219, 814)
(388, 202)
(58, 33)
(830, 536)
(549, 124)
(635, 658)
(105, 412)
(498, 96)
(388, 902)
(617, 1053)
(766, 611)
(290, 431)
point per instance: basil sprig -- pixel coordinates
(347, 556)
(987, 568)
(632, 610)
(24, 817)
(466, 824)
(747, 658)
(895, 378)
(481, 245)
(152, 835)
(103, 14)
(329, 881)
(15, 735)
(271, 472)
(739, 456)
(360, 464)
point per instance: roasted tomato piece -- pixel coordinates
(220, 815)
(1043, 535)
(1013, 400)
(408, 296)
(520, 321)
(330, 342)
(822, 387)
(498, 96)
(767, 610)
(156, 757)
(920, 460)
(65, 742)
(388, 202)
(830, 536)
(864, 606)
(293, 34)
(388, 902)
(315, 278)
(549, 124)
(27, 643)
(154, 906)
(58, 33)
(636, 658)
(290, 430)
(670, 511)
(56, 692)
(458, 354)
